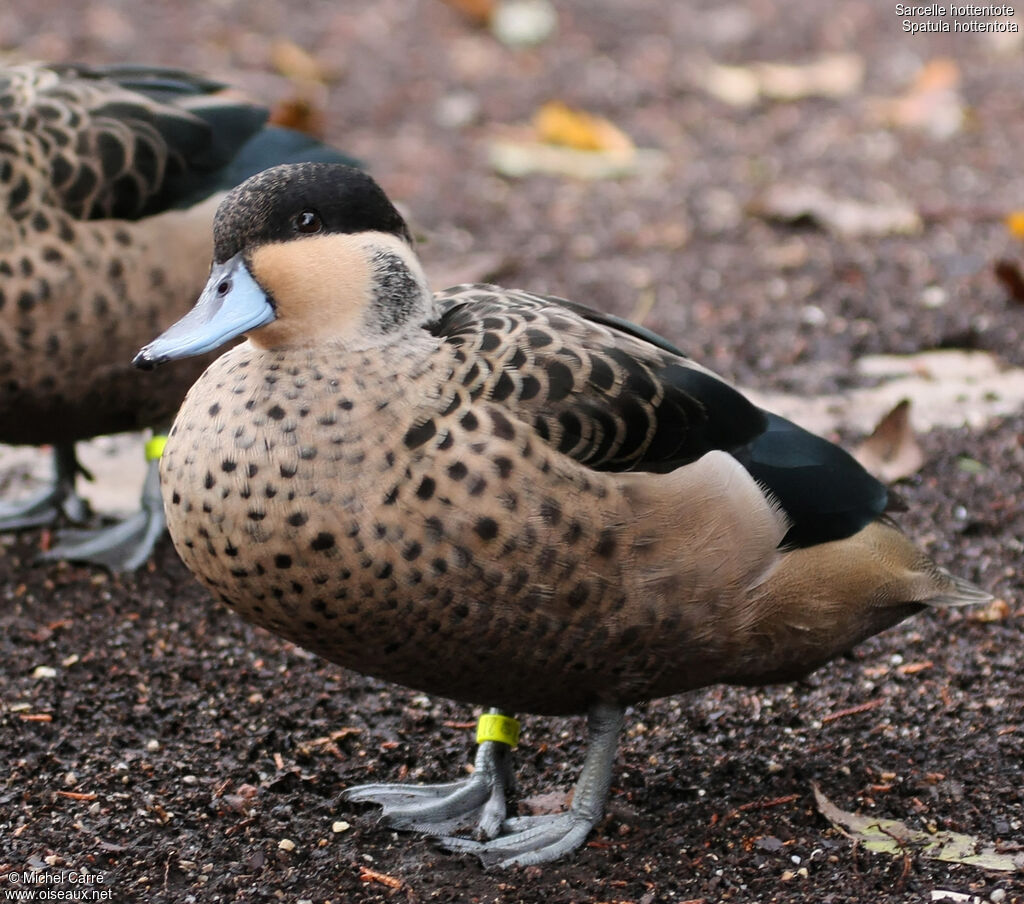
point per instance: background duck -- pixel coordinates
(109, 178)
(499, 497)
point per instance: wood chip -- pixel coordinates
(852, 710)
(371, 875)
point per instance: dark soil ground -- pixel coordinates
(185, 756)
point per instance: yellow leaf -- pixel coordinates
(1015, 223)
(557, 123)
(297, 64)
(890, 836)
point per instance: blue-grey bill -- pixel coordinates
(231, 304)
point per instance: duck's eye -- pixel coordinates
(308, 222)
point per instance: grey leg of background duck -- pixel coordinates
(121, 547)
(59, 499)
(477, 802)
(539, 839)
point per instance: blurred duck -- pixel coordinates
(109, 179)
(502, 498)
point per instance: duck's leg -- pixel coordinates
(477, 802)
(539, 839)
(47, 507)
(128, 544)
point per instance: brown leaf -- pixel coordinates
(793, 203)
(1008, 273)
(892, 451)
(300, 114)
(479, 12)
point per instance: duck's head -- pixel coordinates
(303, 254)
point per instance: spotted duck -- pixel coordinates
(109, 179)
(502, 498)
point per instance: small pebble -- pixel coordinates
(997, 895)
(44, 671)
(286, 844)
(524, 23)
(153, 745)
(340, 826)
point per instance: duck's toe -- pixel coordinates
(43, 509)
(124, 546)
(476, 803)
(57, 502)
(530, 839)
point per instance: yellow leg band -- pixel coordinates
(494, 727)
(155, 447)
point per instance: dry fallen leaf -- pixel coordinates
(790, 203)
(557, 123)
(566, 142)
(892, 452)
(890, 836)
(948, 388)
(932, 103)
(834, 75)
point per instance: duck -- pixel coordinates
(109, 179)
(503, 498)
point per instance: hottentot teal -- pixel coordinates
(502, 498)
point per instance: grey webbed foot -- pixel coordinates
(58, 501)
(476, 803)
(539, 839)
(124, 546)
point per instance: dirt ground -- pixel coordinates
(150, 737)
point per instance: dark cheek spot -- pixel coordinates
(297, 519)
(276, 413)
(282, 561)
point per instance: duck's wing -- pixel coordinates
(114, 142)
(617, 397)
